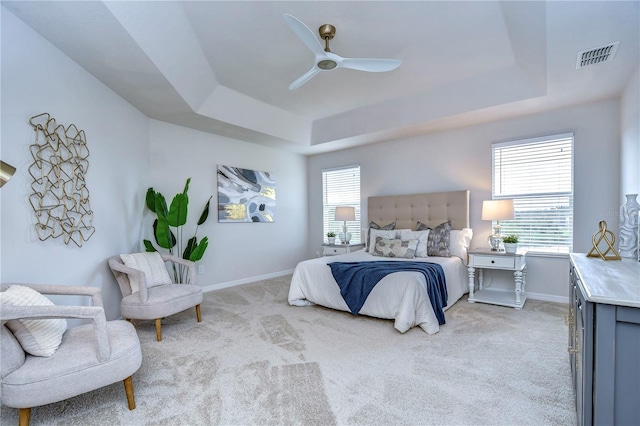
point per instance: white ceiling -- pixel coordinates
(225, 67)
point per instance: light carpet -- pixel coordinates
(255, 360)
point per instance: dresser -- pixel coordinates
(604, 339)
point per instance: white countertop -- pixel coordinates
(613, 282)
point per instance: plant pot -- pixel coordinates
(510, 248)
(332, 240)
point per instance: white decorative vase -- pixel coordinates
(510, 248)
(629, 227)
(332, 240)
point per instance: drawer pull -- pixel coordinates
(568, 319)
(493, 261)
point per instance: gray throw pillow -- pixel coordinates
(421, 226)
(373, 225)
(395, 248)
(438, 241)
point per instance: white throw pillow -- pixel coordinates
(390, 234)
(459, 243)
(151, 264)
(421, 236)
(37, 337)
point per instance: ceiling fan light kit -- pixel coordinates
(325, 60)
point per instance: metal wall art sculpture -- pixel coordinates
(245, 195)
(60, 198)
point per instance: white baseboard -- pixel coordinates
(548, 298)
(220, 286)
(228, 284)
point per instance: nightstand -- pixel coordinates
(334, 249)
(482, 259)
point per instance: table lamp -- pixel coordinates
(497, 210)
(344, 214)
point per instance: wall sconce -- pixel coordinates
(6, 171)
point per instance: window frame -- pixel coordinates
(328, 209)
(523, 198)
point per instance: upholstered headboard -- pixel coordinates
(431, 209)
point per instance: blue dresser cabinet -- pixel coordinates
(604, 340)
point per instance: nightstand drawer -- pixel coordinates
(494, 262)
(335, 249)
(328, 251)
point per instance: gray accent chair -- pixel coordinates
(90, 356)
(155, 303)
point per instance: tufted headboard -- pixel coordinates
(431, 209)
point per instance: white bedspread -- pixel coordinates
(400, 296)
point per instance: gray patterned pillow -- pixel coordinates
(438, 241)
(395, 248)
(373, 225)
(422, 227)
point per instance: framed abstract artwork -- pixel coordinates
(245, 195)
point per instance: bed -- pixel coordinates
(401, 296)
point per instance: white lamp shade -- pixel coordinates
(345, 213)
(497, 210)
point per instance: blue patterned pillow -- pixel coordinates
(395, 248)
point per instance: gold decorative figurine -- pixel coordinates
(597, 238)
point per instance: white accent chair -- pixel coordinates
(89, 357)
(157, 302)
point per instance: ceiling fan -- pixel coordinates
(326, 60)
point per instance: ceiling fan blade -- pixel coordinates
(370, 65)
(304, 78)
(305, 34)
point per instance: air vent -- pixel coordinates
(597, 55)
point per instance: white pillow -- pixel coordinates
(400, 231)
(151, 264)
(459, 243)
(390, 235)
(37, 337)
(421, 236)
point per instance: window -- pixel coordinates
(341, 187)
(538, 175)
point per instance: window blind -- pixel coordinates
(341, 187)
(538, 175)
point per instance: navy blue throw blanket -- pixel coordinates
(357, 279)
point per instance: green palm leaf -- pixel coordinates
(178, 211)
(205, 213)
(191, 244)
(149, 246)
(164, 236)
(151, 199)
(199, 250)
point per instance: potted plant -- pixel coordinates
(173, 218)
(331, 236)
(510, 243)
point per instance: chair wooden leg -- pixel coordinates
(24, 414)
(198, 313)
(128, 388)
(158, 330)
